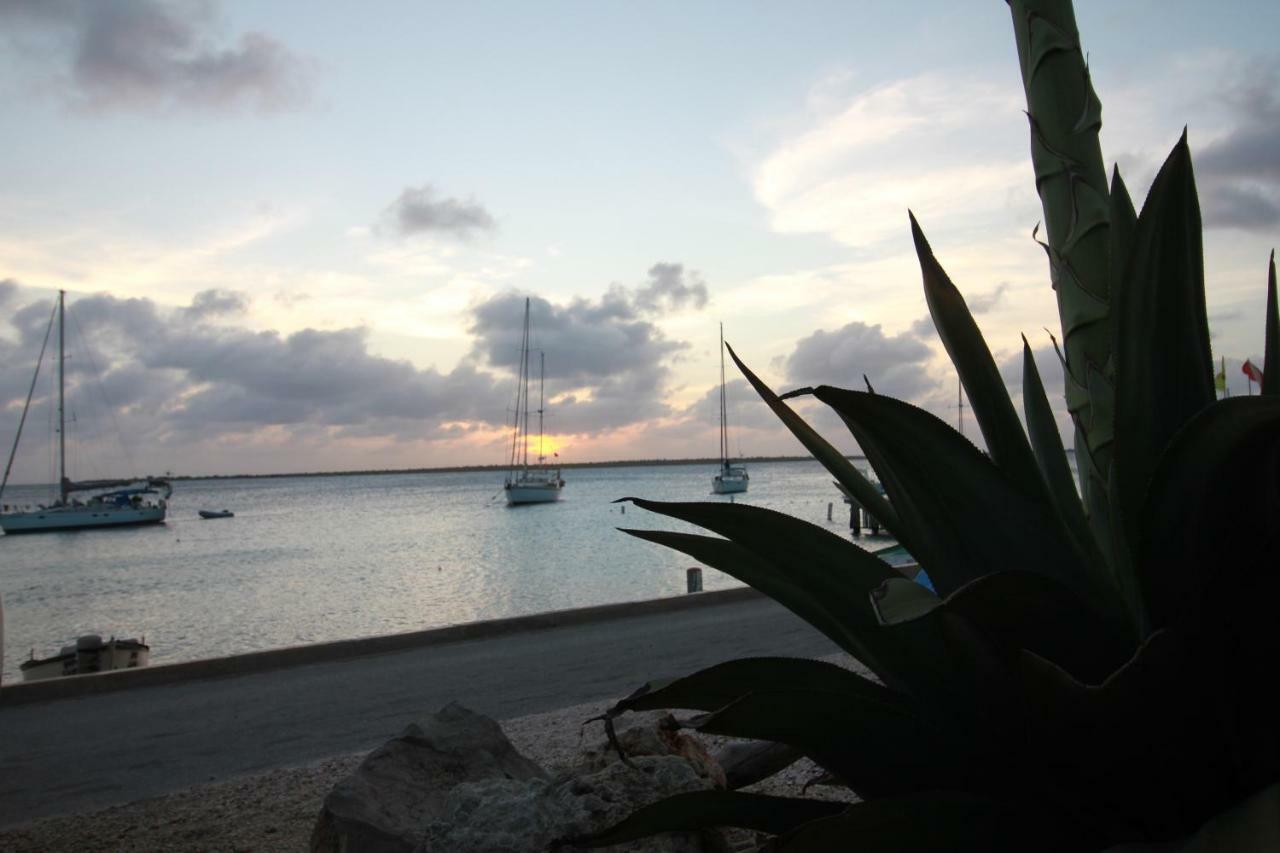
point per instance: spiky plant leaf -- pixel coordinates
(1253, 826)
(912, 449)
(1018, 611)
(849, 477)
(1145, 751)
(705, 809)
(843, 615)
(717, 686)
(936, 822)
(1205, 518)
(1271, 355)
(777, 536)
(1164, 372)
(876, 749)
(900, 600)
(1006, 442)
(1051, 457)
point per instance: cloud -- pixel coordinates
(150, 55)
(1239, 172)
(172, 379)
(981, 303)
(744, 407)
(929, 143)
(8, 287)
(215, 303)
(897, 365)
(667, 289)
(606, 364)
(418, 211)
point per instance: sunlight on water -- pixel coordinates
(310, 559)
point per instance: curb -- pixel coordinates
(265, 661)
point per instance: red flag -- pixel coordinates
(1251, 370)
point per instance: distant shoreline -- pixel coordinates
(460, 469)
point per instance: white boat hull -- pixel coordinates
(534, 492)
(79, 518)
(98, 657)
(732, 479)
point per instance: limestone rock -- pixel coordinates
(654, 733)
(401, 787)
(510, 816)
(455, 784)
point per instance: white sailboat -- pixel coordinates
(530, 484)
(106, 503)
(731, 478)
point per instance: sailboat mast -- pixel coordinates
(524, 451)
(724, 412)
(542, 387)
(62, 399)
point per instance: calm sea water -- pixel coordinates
(312, 559)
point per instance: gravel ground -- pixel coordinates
(276, 810)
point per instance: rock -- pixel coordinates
(400, 788)
(455, 784)
(654, 733)
(508, 816)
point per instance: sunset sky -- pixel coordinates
(299, 236)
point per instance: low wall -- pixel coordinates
(244, 664)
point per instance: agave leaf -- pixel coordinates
(1051, 456)
(964, 343)
(876, 749)
(1014, 611)
(935, 822)
(1124, 222)
(899, 600)
(841, 614)
(834, 572)
(912, 661)
(1149, 744)
(940, 482)
(706, 809)
(1164, 372)
(1208, 540)
(719, 685)
(781, 538)
(833, 460)
(1271, 355)
(1250, 827)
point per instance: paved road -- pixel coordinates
(79, 754)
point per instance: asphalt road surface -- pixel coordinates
(85, 753)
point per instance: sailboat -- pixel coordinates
(730, 478)
(105, 503)
(530, 484)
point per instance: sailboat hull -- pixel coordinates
(729, 485)
(533, 492)
(79, 518)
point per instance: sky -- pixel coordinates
(300, 237)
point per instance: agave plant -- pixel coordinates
(1094, 669)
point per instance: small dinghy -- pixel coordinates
(88, 654)
(216, 513)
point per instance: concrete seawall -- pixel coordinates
(272, 659)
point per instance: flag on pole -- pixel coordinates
(1252, 371)
(1220, 379)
